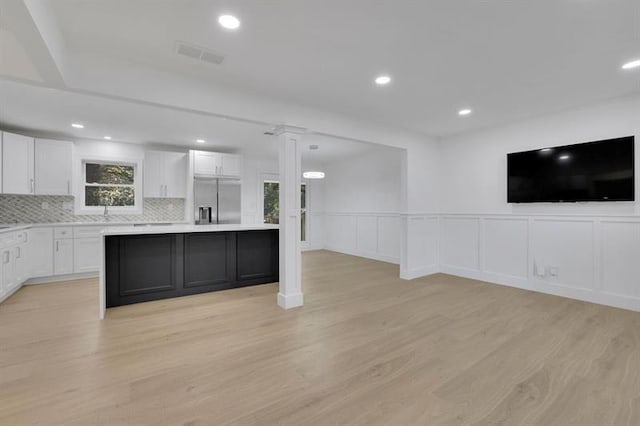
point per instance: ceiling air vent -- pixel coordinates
(196, 52)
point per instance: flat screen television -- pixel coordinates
(594, 171)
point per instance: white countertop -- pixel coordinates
(183, 229)
(10, 227)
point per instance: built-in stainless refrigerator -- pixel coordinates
(216, 201)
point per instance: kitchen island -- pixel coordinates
(141, 264)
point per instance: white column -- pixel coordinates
(290, 294)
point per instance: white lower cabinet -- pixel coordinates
(86, 254)
(20, 256)
(12, 261)
(63, 256)
(8, 270)
(40, 249)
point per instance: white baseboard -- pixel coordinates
(288, 301)
(58, 278)
(11, 293)
(539, 286)
(367, 255)
(414, 273)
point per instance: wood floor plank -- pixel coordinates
(367, 348)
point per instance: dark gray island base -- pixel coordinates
(141, 268)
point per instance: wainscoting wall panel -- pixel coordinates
(505, 247)
(460, 242)
(563, 250)
(596, 259)
(365, 234)
(621, 258)
(421, 245)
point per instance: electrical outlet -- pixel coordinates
(539, 271)
(552, 271)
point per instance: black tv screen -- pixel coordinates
(594, 171)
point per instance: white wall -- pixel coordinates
(252, 171)
(368, 182)
(362, 204)
(587, 251)
(474, 166)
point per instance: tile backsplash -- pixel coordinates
(29, 209)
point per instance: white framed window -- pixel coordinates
(113, 184)
(271, 205)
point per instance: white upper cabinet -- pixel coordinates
(206, 163)
(230, 165)
(53, 167)
(153, 179)
(165, 174)
(17, 164)
(175, 173)
(214, 164)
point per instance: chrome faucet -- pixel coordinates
(106, 212)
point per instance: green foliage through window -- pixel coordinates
(109, 174)
(272, 206)
(109, 196)
(271, 202)
(109, 185)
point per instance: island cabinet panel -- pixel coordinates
(141, 268)
(257, 256)
(208, 260)
(147, 264)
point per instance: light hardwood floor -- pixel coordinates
(367, 348)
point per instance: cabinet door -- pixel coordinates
(140, 268)
(175, 173)
(230, 165)
(53, 163)
(207, 260)
(40, 251)
(17, 164)
(153, 174)
(63, 257)
(86, 254)
(8, 269)
(206, 163)
(20, 259)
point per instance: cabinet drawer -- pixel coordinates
(62, 232)
(22, 237)
(87, 231)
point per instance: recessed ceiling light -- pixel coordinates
(565, 157)
(200, 140)
(229, 22)
(313, 175)
(545, 150)
(77, 125)
(465, 111)
(108, 138)
(383, 79)
(632, 64)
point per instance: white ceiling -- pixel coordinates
(49, 112)
(507, 60)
